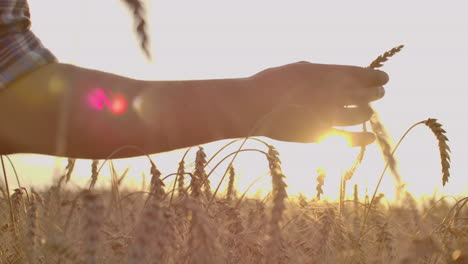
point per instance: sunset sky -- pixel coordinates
(226, 39)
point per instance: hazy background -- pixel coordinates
(226, 39)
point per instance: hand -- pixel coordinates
(303, 101)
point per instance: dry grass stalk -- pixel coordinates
(93, 219)
(94, 173)
(320, 182)
(231, 190)
(139, 13)
(69, 169)
(279, 194)
(444, 149)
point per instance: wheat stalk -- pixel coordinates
(321, 175)
(383, 140)
(93, 219)
(156, 185)
(153, 235)
(94, 173)
(203, 245)
(139, 13)
(199, 176)
(181, 179)
(32, 231)
(382, 136)
(444, 149)
(378, 62)
(10, 205)
(69, 168)
(279, 195)
(230, 189)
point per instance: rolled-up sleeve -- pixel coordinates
(21, 51)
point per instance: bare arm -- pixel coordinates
(168, 114)
(49, 111)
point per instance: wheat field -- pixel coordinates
(188, 221)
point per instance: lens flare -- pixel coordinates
(336, 137)
(99, 100)
(119, 104)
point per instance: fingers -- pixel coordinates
(360, 96)
(352, 116)
(304, 124)
(367, 77)
(351, 85)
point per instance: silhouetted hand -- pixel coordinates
(302, 101)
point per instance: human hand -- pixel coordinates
(302, 101)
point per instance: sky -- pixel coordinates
(229, 39)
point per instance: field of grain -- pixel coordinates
(186, 221)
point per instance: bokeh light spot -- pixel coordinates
(98, 99)
(119, 104)
(56, 85)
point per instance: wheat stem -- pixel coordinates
(12, 218)
(384, 170)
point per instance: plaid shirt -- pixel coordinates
(20, 50)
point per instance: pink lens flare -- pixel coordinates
(99, 100)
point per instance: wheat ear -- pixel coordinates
(381, 135)
(156, 185)
(94, 173)
(230, 189)
(69, 169)
(200, 176)
(181, 178)
(136, 6)
(444, 149)
(378, 62)
(279, 195)
(320, 182)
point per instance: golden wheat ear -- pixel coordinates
(444, 149)
(378, 62)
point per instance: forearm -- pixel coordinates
(201, 111)
(167, 114)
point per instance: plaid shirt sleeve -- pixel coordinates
(20, 50)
